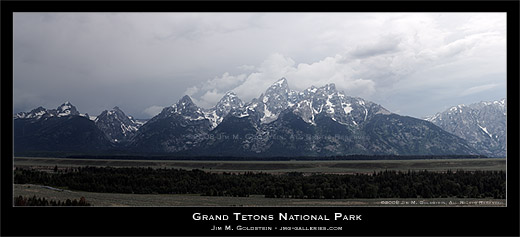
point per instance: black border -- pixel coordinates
(377, 221)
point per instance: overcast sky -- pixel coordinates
(413, 64)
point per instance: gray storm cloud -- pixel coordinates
(414, 63)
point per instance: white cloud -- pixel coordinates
(272, 69)
(210, 98)
(300, 76)
(153, 110)
(478, 89)
(192, 91)
(385, 44)
(208, 93)
(247, 67)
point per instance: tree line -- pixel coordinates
(39, 201)
(383, 184)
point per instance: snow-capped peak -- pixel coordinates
(335, 104)
(186, 108)
(65, 106)
(116, 125)
(185, 105)
(66, 109)
(311, 90)
(279, 87)
(35, 113)
(229, 102)
(330, 87)
(185, 102)
(230, 94)
(281, 82)
(274, 100)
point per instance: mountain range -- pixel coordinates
(319, 121)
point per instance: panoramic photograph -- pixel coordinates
(259, 109)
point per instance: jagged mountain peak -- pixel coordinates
(329, 87)
(116, 125)
(494, 102)
(327, 100)
(185, 101)
(482, 124)
(282, 82)
(39, 109)
(471, 108)
(66, 105)
(186, 105)
(279, 87)
(115, 113)
(276, 98)
(311, 87)
(66, 109)
(228, 96)
(229, 101)
(35, 113)
(497, 104)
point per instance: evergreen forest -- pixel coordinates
(384, 184)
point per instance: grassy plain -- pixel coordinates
(337, 166)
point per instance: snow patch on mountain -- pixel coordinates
(485, 130)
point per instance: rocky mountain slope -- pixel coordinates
(482, 125)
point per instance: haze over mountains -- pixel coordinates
(319, 121)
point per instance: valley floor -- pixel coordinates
(337, 167)
(163, 200)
